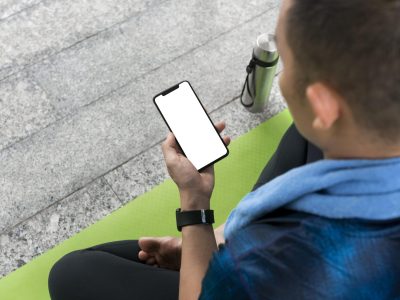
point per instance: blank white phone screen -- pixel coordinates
(191, 126)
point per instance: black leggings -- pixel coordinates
(113, 270)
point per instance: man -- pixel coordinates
(327, 230)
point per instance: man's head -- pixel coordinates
(341, 75)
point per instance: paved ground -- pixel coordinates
(79, 133)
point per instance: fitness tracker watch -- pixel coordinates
(193, 217)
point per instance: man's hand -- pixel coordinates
(195, 187)
(164, 252)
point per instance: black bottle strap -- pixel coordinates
(249, 69)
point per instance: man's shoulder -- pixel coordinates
(297, 250)
(268, 230)
(294, 227)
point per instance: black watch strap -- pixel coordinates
(193, 217)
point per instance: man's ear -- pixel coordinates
(324, 103)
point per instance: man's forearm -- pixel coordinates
(198, 244)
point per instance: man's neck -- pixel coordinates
(363, 153)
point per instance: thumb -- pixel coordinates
(169, 147)
(149, 244)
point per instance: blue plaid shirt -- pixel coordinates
(295, 255)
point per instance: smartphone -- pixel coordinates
(194, 131)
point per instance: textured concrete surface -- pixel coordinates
(9, 8)
(24, 108)
(53, 25)
(79, 133)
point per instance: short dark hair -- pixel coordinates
(354, 46)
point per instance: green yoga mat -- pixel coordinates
(153, 213)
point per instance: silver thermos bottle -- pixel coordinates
(260, 74)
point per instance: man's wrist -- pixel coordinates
(194, 202)
(194, 206)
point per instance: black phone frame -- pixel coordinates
(169, 90)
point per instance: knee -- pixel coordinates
(63, 277)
